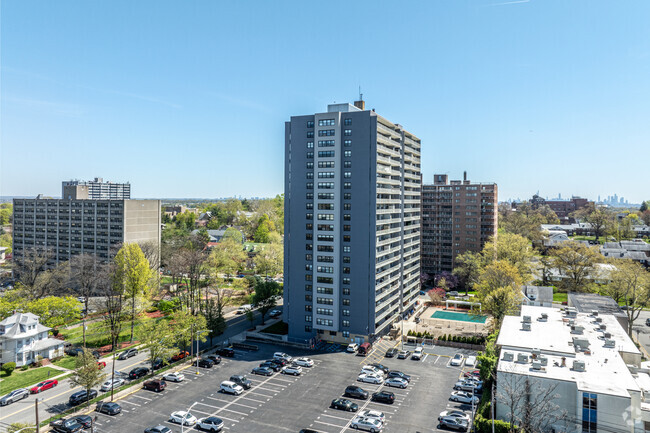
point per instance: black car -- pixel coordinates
(157, 364)
(308, 430)
(85, 420)
(228, 352)
(264, 371)
(395, 373)
(82, 396)
(204, 363)
(65, 425)
(241, 381)
(128, 353)
(356, 392)
(382, 367)
(109, 408)
(647, 322)
(138, 372)
(272, 365)
(73, 351)
(158, 429)
(344, 404)
(280, 362)
(214, 358)
(390, 353)
(384, 397)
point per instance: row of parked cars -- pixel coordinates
(465, 391)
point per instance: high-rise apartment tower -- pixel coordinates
(352, 224)
(95, 189)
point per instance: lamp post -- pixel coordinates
(186, 415)
(197, 350)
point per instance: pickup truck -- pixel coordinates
(65, 425)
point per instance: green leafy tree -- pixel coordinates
(227, 257)
(250, 315)
(644, 206)
(512, 248)
(265, 297)
(132, 271)
(156, 337)
(6, 213)
(270, 260)
(632, 283)
(185, 327)
(601, 219)
(488, 359)
(185, 220)
(499, 290)
(7, 242)
(86, 374)
(55, 311)
(577, 264)
(234, 234)
(468, 268)
(213, 312)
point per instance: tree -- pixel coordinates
(265, 296)
(450, 280)
(55, 311)
(250, 315)
(133, 273)
(185, 220)
(576, 263)
(185, 327)
(86, 374)
(499, 289)
(645, 216)
(599, 218)
(227, 257)
(112, 290)
(84, 274)
(436, 296)
(157, 338)
(632, 282)
(213, 312)
(234, 234)
(488, 360)
(468, 269)
(37, 279)
(270, 260)
(514, 249)
(6, 241)
(644, 206)
(622, 229)
(264, 227)
(6, 213)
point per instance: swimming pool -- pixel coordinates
(462, 317)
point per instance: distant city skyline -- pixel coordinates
(531, 95)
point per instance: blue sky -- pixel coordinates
(189, 99)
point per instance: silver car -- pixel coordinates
(396, 382)
(14, 396)
(372, 425)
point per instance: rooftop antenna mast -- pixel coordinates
(360, 94)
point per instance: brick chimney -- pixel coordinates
(361, 105)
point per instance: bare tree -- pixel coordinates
(84, 274)
(34, 272)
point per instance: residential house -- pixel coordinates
(23, 339)
(539, 296)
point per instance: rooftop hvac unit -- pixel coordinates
(508, 356)
(599, 320)
(543, 317)
(580, 341)
(572, 322)
(526, 319)
(537, 365)
(577, 329)
(525, 326)
(607, 335)
(578, 366)
(603, 327)
(522, 358)
(594, 313)
(536, 352)
(543, 360)
(610, 343)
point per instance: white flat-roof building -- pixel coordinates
(587, 359)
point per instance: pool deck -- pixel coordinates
(438, 326)
(459, 316)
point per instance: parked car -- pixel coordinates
(368, 424)
(373, 414)
(470, 361)
(280, 362)
(244, 309)
(373, 370)
(216, 359)
(463, 397)
(128, 353)
(455, 413)
(275, 313)
(404, 354)
(101, 364)
(263, 371)
(452, 293)
(158, 429)
(417, 353)
(294, 370)
(390, 353)
(109, 408)
(473, 373)
(180, 355)
(157, 364)
(272, 365)
(183, 417)
(231, 387)
(282, 355)
(647, 322)
(396, 382)
(304, 362)
(469, 385)
(174, 377)
(344, 404)
(370, 378)
(156, 385)
(138, 372)
(81, 397)
(352, 348)
(73, 351)
(356, 392)
(381, 367)
(111, 384)
(44, 386)
(228, 352)
(384, 397)
(204, 363)
(85, 420)
(453, 423)
(211, 424)
(63, 425)
(395, 373)
(457, 360)
(241, 381)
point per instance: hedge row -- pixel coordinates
(472, 339)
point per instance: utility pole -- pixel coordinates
(37, 420)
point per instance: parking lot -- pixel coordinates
(289, 403)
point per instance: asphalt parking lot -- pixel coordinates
(282, 403)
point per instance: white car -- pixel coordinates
(106, 386)
(455, 413)
(230, 387)
(373, 414)
(282, 355)
(417, 353)
(292, 369)
(211, 424)
(352, 348)
(174, 377)
(397, 382)
(463, 397)
(304, 362)
(470, 361)
(370, 378)
(183, 417)
(369, 369)
(457, 360)
(368, 424)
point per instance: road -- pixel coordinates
(641, 331)
(55, 400)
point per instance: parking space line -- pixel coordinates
(252, 399)
(246, 405)
(130, 402)
(144, 398)
(332, 416)
(327, 423)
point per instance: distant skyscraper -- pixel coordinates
(95, 189)
(352, 224)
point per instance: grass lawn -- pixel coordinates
(278, 328)
(66, 362)
(560, 297)
(25, 379)
(96, 335)
(601, 239)
(253, 246)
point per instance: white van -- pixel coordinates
(244, 308)
(282, 355)
(353, 347)
(231, 387)
(417, 354)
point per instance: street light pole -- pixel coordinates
(197, 350)
(186, 415)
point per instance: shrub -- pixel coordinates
(483, 425)
(151, 309)
(24, 367)
(9, 368)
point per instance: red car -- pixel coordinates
(46, 384)
(181, 355)
(473, 373)
(101, 364)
